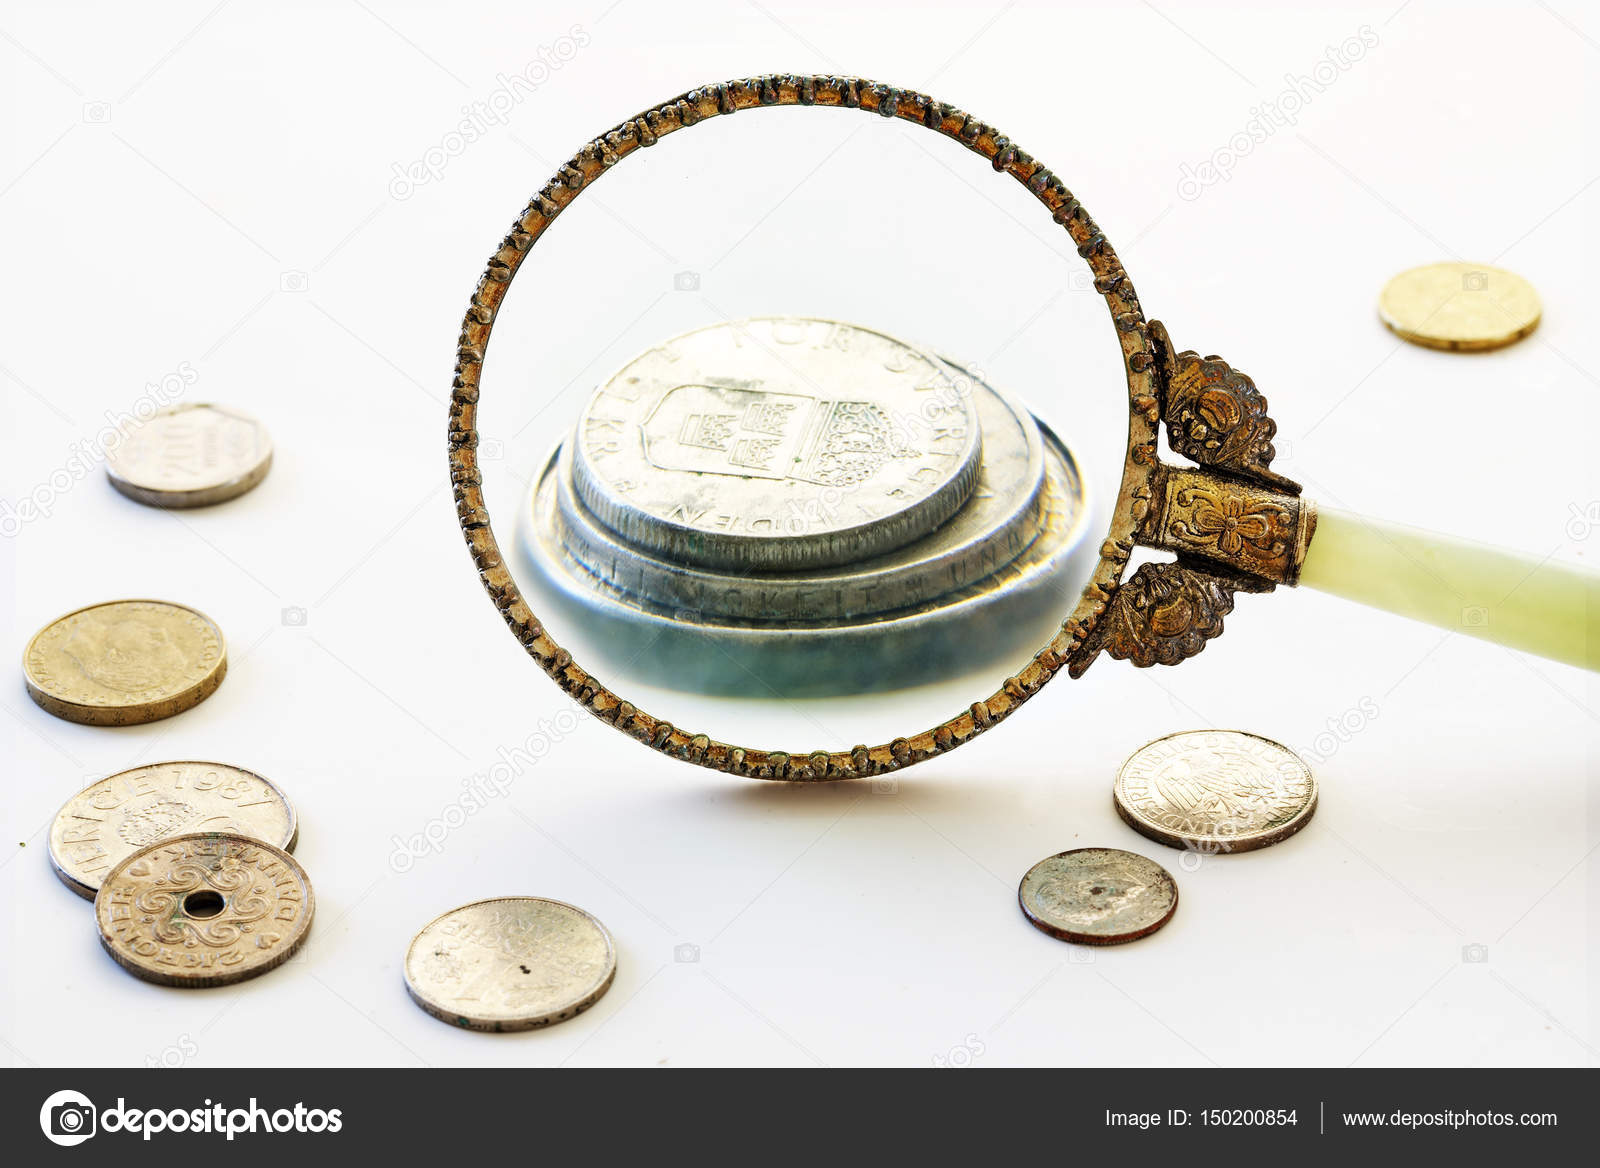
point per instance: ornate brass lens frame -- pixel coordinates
(1231, 522)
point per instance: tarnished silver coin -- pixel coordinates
(719, 447)
(204, 910)
(1098, 896)
(109, 820)
(1215, 791)
(510, 963)
(191, 455)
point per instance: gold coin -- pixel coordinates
(191, 455)
(1215, 791)
(203, 910)
(108, 821)
(1460, 306)
(125, 662)
(510, 963)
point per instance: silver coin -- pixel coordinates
(1215, 791)
(191, 455)
(110, 820)
(1003, 517)
(719, 448)
(1098, 896)
(510, 963)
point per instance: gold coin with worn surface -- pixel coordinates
(191, 455)
(1460, 306)
(108, 821)
(207, 909)
(1098, 896)
(510, 963)
(1215, 791)
(125, 662)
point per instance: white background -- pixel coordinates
(213, 187)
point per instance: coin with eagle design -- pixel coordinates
(510, 963)
(1215, 791)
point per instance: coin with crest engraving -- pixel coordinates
(124, 662)
(1215, 791)
(510, 963)
(206, 909)
(776, 444)
(190, 455)
(1098, 896)
(124, 813)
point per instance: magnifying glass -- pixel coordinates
(1229, 523)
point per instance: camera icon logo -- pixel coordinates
(686, 953)
(686, 282)
(1474, 281)
(67, 1118)
(96, 113)
(885, 786)
(1474, 954)
(294, 617)
(293, 282)
(491, 450)
(1475, 616)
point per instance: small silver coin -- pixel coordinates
(510, 963)
(725, 447)
(191, 455)
(109, 820)
(1215, 791)
(1098, 896)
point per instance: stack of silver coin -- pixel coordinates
(828, 507)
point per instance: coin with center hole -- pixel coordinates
(1098, 896)
(191, 455)
(510, 963)
(207, 909)
(1215, 791)
(109, 820)
(125, 662)
(1460, 306)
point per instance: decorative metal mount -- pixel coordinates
(1235, 524)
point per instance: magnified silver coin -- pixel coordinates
(1098, 896)
(191, 455)
(1215, 791)
(719, 448)
(510, 963)
(1004, 515)
(108, 821)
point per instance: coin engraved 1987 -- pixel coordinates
(124, 662)
(204, 910)
(777, 443)
(1215, 791)
(110, 820)
(510, 963)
